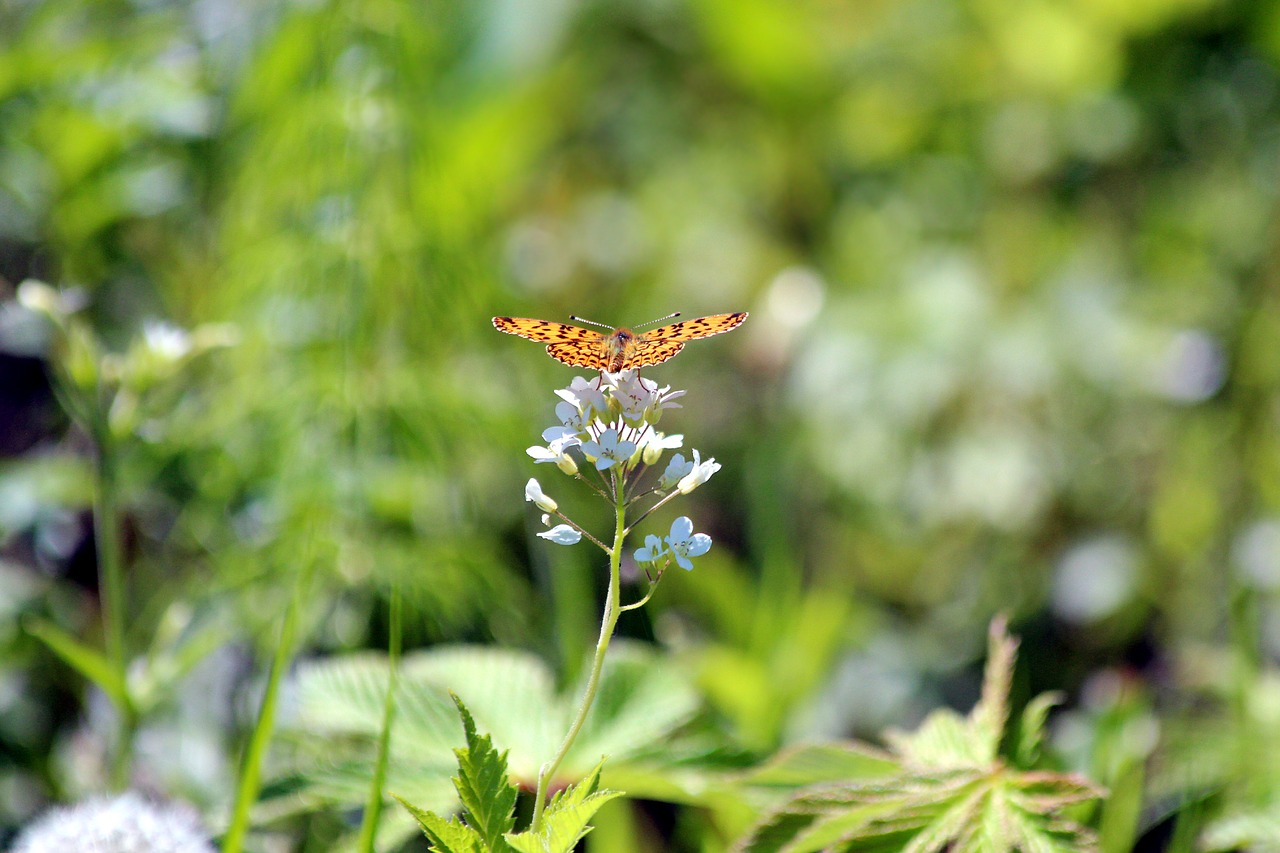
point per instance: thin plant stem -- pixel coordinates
(645, 514)
(255, 753)
(612, 609)
(106, 531)
(373, 809)
(582, 530)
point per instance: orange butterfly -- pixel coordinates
(621, 348)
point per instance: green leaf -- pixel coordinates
(488, 797)
(812, 764)
(564, 822)
(1122, 811)
(947, 789)
(1248, 830)
(446, 836)
(1031, 727)
(84, 659)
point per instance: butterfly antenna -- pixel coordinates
(590, 322)
(659, 320)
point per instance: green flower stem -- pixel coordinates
(106, 531)
(612, 609)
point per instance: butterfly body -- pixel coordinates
(620, 348)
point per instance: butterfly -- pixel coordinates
(621, 348)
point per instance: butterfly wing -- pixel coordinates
(544, 331)
(703, 327)
(589, 354)
(646, 352)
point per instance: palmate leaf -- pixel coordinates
(330, 746)
(941, 787)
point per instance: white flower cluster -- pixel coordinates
(128, 823)
(607, 436)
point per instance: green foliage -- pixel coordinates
(1010, 268)
(488, 797)
(1224, 754)
(564, 822)
(642, 706)
(941, 787)
(488, 803)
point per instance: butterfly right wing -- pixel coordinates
(703, 327)
(589, 354)
(647, 353)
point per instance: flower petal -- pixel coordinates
(562, 534)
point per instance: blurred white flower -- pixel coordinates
(127, 823)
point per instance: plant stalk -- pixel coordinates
(612, 609)
(111, 581)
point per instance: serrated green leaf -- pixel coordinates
(989, 716)
(488, 797)
(564, 822)
(949, 790)
(944, 741)
(446, 836)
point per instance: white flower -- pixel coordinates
(585, 397)
(677, 468)
(653, 443)
(559, 439)
(685, 543)
(653, 550)
(41, 298)
(562, 534)
(124, 824)
(572, 417)
(701, 472)
(609, 449)
(635, 394)
(165, 340)
(533, 492)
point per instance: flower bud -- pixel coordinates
(533, 492)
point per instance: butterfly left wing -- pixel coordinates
(544, 331)
(703, 327)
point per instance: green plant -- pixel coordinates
(944, 786)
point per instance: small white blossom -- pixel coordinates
(635, 394)
(559, 439)
(573, 418)
(685, 543)
(653, 550)
(609, 449)
(585, 397)
(533, 492)
(701, 472)
(165, 340)
(677, 468)
(562, 534)
(654, 443)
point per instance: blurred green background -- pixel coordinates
(1014, 347)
